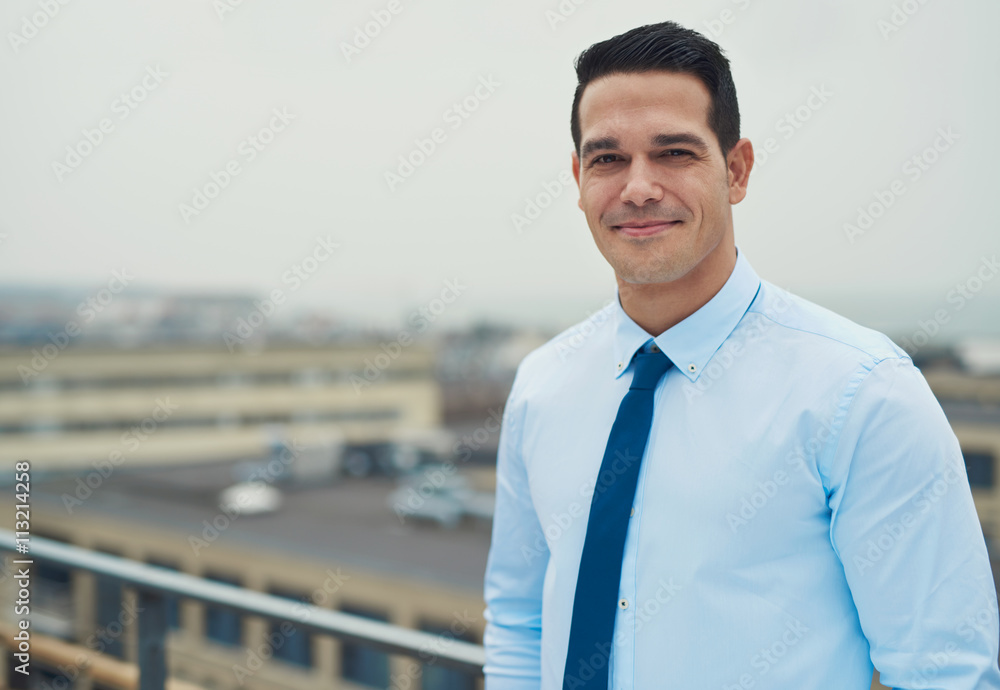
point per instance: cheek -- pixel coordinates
(703, 200)
(593, 199)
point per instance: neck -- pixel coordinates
(659, 306)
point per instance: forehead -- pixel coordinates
(662, 100)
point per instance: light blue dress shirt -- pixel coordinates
(802, 509)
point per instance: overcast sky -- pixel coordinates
(185, 88)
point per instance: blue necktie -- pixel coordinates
(600, 573)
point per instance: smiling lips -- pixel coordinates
(645, 228)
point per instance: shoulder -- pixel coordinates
(795, 322)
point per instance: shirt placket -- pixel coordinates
(622, 671)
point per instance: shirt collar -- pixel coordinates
(692, 342)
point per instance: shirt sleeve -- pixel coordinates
(515, 569)
(905, 527)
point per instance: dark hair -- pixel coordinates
(670, 47)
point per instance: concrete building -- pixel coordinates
(77, 408)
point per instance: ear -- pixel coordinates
(739, 163)
(576, 176)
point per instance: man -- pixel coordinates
(713, 483)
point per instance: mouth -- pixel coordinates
(645, 228)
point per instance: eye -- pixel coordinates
(676, 153)
(604, 158)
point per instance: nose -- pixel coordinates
(641, 186)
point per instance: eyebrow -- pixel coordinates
(605, 143)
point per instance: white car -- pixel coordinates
(439, 496)
(250, 498)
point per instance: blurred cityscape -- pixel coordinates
(362, 463)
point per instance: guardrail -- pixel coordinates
(153, 584)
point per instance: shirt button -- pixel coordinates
(692, 368)
(632, 512)
(623, 603)
(654, 348)
(619, 366)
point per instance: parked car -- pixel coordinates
(438, 494)
(250, 498)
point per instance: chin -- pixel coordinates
(633, 269)
(648, 276)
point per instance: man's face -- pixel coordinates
(654, 185)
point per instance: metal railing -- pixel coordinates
(154, 584)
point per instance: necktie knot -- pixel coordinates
(649, 369)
